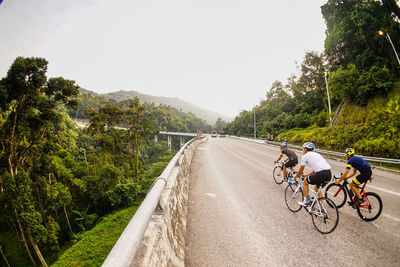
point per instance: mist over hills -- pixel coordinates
(207, 115)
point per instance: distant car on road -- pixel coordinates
(221, 133)
(214, 134)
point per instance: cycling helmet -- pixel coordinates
(310, 146)
(284, 144)
(349, 151)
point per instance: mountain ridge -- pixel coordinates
(208, 115)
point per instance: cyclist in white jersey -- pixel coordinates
(321, 170)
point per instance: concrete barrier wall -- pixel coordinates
(163, 243)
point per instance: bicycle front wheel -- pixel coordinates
(325, 215)
(337, 194)
(371, 208)
(292, 196)
(277, 173)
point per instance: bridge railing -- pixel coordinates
(327, 152)
(126, 247)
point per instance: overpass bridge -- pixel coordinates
(216, 204)
(182, 136)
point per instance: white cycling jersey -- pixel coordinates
(316, 161)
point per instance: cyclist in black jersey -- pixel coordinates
(291, 160)
(358, 164)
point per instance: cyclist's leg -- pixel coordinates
(288, 164)
(320, 178)
(305, 188)
(354, 187)
(326, 177)
(320, 192)
(284, 170)
(361, 178)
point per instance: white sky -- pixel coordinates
(221, 55)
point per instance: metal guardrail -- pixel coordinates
(124, 251)
(178, 134)
(327, 152)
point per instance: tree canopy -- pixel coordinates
(358, 63)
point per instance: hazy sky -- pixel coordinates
(221, 55)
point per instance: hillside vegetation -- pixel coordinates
(94, 245)
(372, 129)
(362, 73)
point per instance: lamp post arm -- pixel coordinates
(394, 49)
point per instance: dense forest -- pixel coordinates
(163, 117)
(58, 180)
(359, 65)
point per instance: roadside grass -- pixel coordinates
(94, 245)
(13, 250)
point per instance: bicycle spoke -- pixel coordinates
(372, 208)
(325, 216)
(292, 197)
(277, 174)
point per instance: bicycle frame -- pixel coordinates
(350, 192)
(314, 197)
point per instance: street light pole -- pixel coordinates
(390, 40)
(255, 128)
(329, 101)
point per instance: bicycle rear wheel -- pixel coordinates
(371, 208)
(337, 194)
(325, 215)
(292, 196)
(277, 173)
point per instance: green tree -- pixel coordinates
(137, 119)
(220, 124)
(352, 37)
(29, 109)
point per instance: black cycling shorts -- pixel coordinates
(319, 177)
(363, 177)
(291, 163)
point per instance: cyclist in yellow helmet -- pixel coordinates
(358, 164)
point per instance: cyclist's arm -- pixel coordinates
(308, 174)
(343, 176)
(280, 156)
(300, 171)
(352, 174)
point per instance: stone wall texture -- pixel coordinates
(163, 243)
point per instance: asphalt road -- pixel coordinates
(237, 215)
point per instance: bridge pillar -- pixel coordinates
(181, 139)
(156, 138)
(169, 142)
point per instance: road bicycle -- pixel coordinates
(277, 173)
(368, 211)
(323, 211)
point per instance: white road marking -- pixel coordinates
(211, 195)
(390, 217)
(249, 162)
(385, 190)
